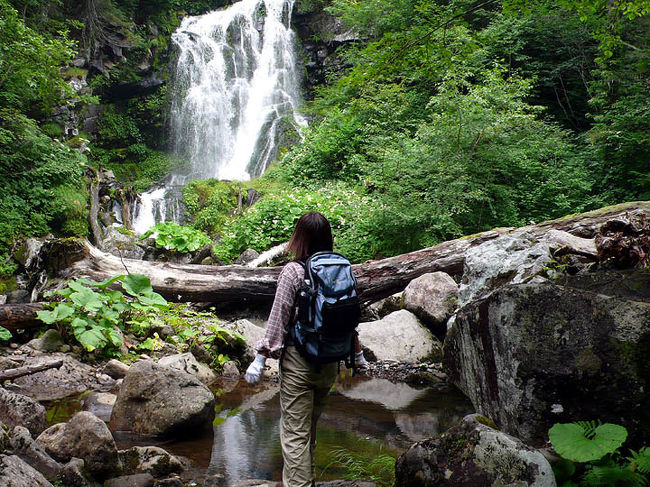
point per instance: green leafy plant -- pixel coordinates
(180, 238)
(590, 455)
(5, 334)
(94, 314)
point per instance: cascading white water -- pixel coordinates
(237, 87)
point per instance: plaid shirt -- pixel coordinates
(289, 282)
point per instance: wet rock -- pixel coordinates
(252, 334)
(203, 253)
(15, 472)
(72, 378)
(115, 369)
(137, 480)
(531, 355)
(432, 298)
(31, 452)
(230, 370)
(473, 454)
(27, 251)
(51, 341)
(74, 475)
(150, 459)
(20, 410)
(100, 404)
(186, 362)
(399, 336)
(158, 400)
(86, 437)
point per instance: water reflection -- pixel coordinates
(364, 415)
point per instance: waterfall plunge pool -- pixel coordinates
(365, 416)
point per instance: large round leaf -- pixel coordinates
(570, 442)
(135, 284)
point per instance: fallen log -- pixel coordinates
(28, 370)
(20, 316)
(238, 284)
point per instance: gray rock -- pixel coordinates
(150, 459)
(388, 305)
(19, 410)
(73, 475)
(31, 452)
(186, 362)
(252, 334)
(400, 336)
(125, 244)
(50, 341)
(158, 400)
(514, 258)
(473, 454)
(18, 296)
(137, 480)
(531, 355)
(170, 482)
(230, 370)
(86, 437)
(15, 472)
(432, 297)
(5, 444)
(72, 378)
(115, 369)
(100, 404)
(248, 255)
(27, 251)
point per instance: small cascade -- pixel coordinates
(236, 93)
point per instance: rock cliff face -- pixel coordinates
(553, 346)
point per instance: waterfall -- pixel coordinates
(236, 90)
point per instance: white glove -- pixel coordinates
(360, 361)
(255, 369)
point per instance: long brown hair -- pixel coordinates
(312, 234)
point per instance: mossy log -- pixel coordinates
(238, 284)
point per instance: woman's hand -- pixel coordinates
(255, 369)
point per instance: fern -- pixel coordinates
(640, 461)
(381, 469)
(613, 476)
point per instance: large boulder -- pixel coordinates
(473, 454)
(547, 351)
(399, 336)
(19, 410)
(71, 379)
(432, 297)
(515, 258)
(150, 459)
(51, 341)
(158, 400)
(186, 362)
(86, 437)
(15, 472)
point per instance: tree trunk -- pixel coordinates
(237, 284)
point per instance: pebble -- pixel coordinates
(13, 345)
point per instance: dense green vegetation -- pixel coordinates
(449, 118)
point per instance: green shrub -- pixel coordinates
(179, 238)
(95, 316)
(41, 183)
(209, 202)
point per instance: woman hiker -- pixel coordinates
(303, 386)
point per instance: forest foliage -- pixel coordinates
(448, 118)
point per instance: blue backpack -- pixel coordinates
(328, 310)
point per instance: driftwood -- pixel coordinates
(20, 316)
(28, 370)
(237, 284)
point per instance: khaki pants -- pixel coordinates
(303, 395)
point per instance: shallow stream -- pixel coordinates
(365, 416)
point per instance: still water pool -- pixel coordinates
(365, 416)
